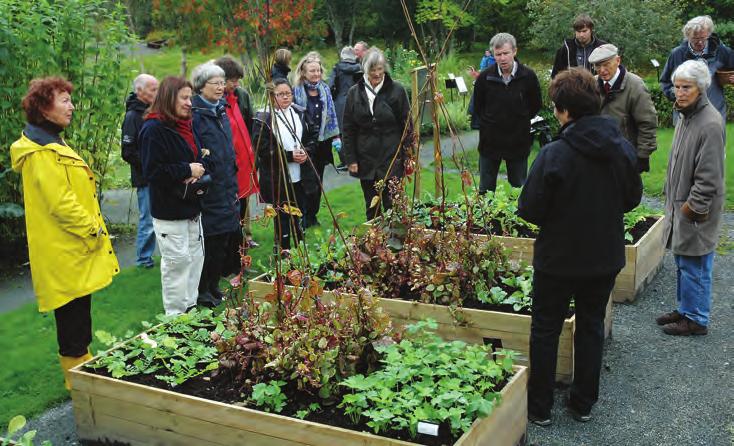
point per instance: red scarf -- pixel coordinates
(184, 127)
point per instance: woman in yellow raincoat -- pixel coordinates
(70, 252)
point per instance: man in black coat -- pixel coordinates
(146, 88)
(577, 191)
(506, 96)
(575, 52)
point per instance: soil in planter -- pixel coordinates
(641, 228)
(222, 388)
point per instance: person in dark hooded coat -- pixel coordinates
(344, 74)
(577, 191)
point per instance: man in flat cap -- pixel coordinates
(626, 98)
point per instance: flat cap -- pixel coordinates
(603, 52)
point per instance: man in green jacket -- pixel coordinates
(626, 98)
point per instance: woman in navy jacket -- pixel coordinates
(173, 164)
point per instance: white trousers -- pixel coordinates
(181, 243)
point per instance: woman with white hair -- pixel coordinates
(345, 74)
(220, 207)
(376, 128)
(694, 199)
(700, 43)
(311, 92)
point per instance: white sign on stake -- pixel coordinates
(461, 85)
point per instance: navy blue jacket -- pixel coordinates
(165, 157)
(577, 191)
(130, 145)
(220, 208)
(717, 56)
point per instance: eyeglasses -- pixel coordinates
(283, 95)
(218, 84)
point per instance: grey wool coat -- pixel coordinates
(695, 176)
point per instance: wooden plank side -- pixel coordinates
(194, 430)
(507, 423)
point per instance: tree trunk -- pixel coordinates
(184, 67)
(353, 23)
(338, 30)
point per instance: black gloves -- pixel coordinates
(643, 164)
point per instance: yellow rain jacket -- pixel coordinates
(70, 251)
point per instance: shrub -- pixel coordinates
(82, 40)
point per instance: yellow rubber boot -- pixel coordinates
(69, 362)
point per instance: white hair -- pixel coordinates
(142, 81)
(372, 58)
(696, 71)
(499, 40)
(698, 24)
(348, 54)
(202, 73)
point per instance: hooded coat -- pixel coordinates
(220, 206)
(131, 125)
(343, 76)
(577, 191)
(695, 176)
(69, 248)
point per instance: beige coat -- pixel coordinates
(632, 107)
(695, 176)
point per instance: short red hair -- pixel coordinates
(41, 95)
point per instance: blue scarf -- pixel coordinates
(329, 124)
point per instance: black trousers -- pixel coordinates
(288, 227)
(215, 257)
(369, 192)
(74, 327)
(489, 168)
(551, 298)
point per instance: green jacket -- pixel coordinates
(695, 176)
(630, 104)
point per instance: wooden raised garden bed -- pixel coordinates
(503, 330)
(108, 409)
(643, 259)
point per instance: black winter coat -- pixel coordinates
(566, 55)
(131, 125)
(165, 157)
(245, 105)
(343, 76)
(220, 208)
(505, 111)
(271, 160)
(280, 71)
(577, 191)
(371, 140)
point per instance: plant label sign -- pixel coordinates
(426, 428)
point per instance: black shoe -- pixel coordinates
(577, 415)
(539, 421)
(207, 300)
(341, 167)
(217, 293)
(309, 222)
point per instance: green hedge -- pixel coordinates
(664, 106)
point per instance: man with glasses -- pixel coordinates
(700, 43)
(626, 99)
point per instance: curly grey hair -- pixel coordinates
(696, 71)
(500, 39)
(698, 24)
(202, 73)
(141, 81)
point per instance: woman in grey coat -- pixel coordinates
(694, 199)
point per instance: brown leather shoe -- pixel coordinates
(668, 318)
(685, 327)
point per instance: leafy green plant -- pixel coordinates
(17, 423)
(424, 378)
(636, 216)
(173, 352)
(269, 396)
